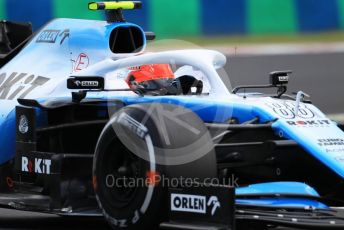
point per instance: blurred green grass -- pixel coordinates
(328, 37)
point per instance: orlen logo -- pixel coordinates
(193, 203)
(309, 123)
(38, 166)
(87, 83)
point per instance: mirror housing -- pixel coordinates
(279, 78)
(86, 83)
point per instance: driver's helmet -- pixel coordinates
(150, 77)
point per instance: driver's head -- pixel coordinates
(152, 76)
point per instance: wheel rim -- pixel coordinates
(121, 170)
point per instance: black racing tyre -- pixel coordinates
(133, 147)
(6, 176)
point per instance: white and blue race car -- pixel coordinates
(90, 126)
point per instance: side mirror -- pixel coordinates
(279, 78)
(86, 83)
(150, 36)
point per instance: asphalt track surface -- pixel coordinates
(17, 220)
(10, 220)
(320, 75)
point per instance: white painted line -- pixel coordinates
(280, 49)
(258, 49)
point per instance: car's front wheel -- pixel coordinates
(130, 162)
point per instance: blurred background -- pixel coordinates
(198, 17)
(258, 36)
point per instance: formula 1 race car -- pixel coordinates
(94, 126)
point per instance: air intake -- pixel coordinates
(129, 39)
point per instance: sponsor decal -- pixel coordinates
(194, 203)
(87, 83)
(23, 124)
(51, 36)
(337, 150)
(283, 78)
(64, 34)
(188, 203)
(37, 165)
(310, 123)
(122, 74)
(214, 203)
(81, 62)
(133, 125)
(340, 158)
(135, 68)
(123, 223)
(286, 110)
(331, 142)
(48, 36)
(11, 89)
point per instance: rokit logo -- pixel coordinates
(193, 203)
(39, 166)
(19, 85)
(314, 123)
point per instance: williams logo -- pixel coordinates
(23, 124)
(194, 204)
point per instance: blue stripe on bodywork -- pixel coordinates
(276, 188)
(8, 137)
(282, 202)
